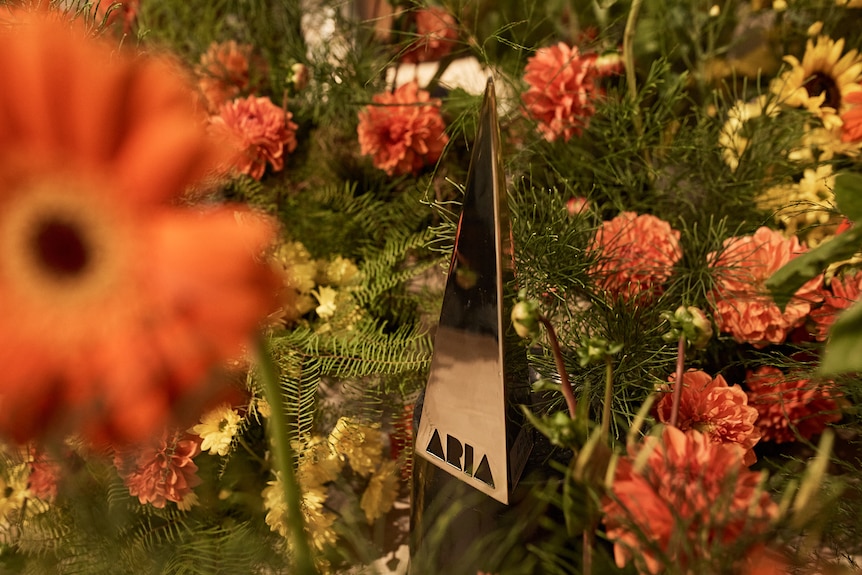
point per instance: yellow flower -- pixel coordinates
(325, 296)
(318, 521)
(733, 139)
(821, 81)
(217, 429)
(381, 492)
(319, 464)
(339, 272)
(805, 208)
(361, 444)
(298, 265)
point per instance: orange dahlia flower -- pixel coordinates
(690, 498)
(162, 471)
(117, 302)
(561, 96)
(112, 10)
(226, 71)
(851, 128)
(719, 411)
(260, 132)
(636, 255)
(403, 131)
(436, 32)
(790, 407)
(841, 294)
(743, 306)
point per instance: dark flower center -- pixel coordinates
(61, 248)
(820, 83)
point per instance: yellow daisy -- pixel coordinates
(805, 208)
(217, 429)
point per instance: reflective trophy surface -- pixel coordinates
(471, 446)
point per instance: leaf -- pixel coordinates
(844, 349)
(848, 195)
(793, 275)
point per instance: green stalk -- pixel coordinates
(283, 456)
(629, 59)
(609, 397)
(565, 385)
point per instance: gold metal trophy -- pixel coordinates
(470, 445)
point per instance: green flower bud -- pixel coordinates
(689, 322)
(525, 318)
(596, 349)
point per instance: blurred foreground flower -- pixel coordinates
(636, 254)
(789, 406)
(683, 501)
(260, 131)
(118, 303)
(743, 306)
(402, 131)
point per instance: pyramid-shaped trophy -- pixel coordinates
(470, 444)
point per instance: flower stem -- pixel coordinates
(629, 59)
(284, 459)
(561, 366)
(677, 384)
(609, 397)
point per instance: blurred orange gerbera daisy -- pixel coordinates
(117, 302)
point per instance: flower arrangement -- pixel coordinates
(224, 231)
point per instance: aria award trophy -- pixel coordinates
(470, 444)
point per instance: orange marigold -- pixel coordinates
(436, 32)
(118, 302)
(561, 96)
(260, 131)
(719, 411)
(163, 471)
(790, 407)
(743, 306)
(402, 131)
(636, 254)
(690, 498)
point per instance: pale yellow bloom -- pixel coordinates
(339, 272)
(318, 521)
(299, 266)
(805, 208)
(217, 429)
(381, 492)
(733, 138)
(325, 296)
(361, 444)
(319, 464)
(13, 490)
